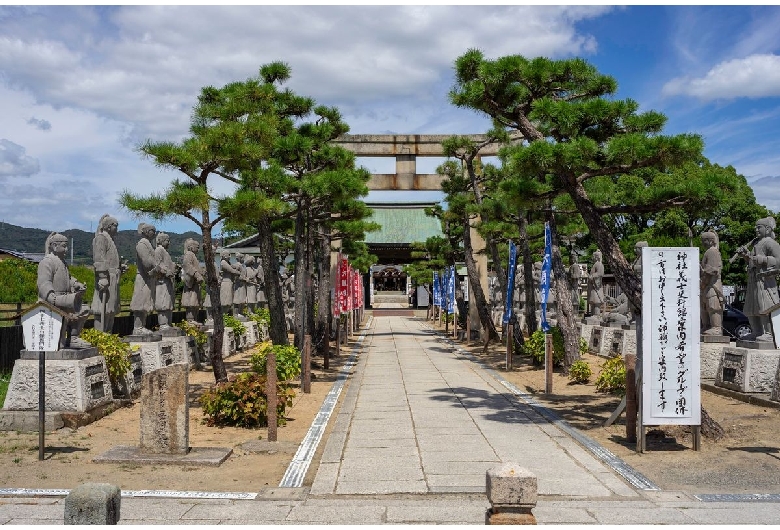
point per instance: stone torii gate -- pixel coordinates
(405, 149)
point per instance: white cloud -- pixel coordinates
(767, 191)
(42, 125)
(14, 162)
(755, 76)
(81, 86)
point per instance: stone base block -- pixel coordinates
(71, 385)
(747, 370)
(145, 337)
(512, 517)
(252, 335)
(509, 485)
(612, 341)
(93, 503)
(715, 339)
(196, 456)
(711, 354)
(596, 339)
(156, 355)
(262, 333)
(585, 332)
(228, 343)
(27, 420)
(755, 345)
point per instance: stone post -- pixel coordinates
(270, 395)
(165, 410)
(93, 503)
(511, 491)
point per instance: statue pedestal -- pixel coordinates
(612, 341)
(143, 337)
(228, 342)
(585, 331)
(747, 370)
(158, 354)
(171, 332)
(77, 386)
(252, 336)
(710, 354)
(596, 338)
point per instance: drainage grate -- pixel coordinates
(296, 471)
(168, 494)
(738, 497)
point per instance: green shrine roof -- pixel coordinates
(402, 223)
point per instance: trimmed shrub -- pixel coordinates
(612, 377)
(242, 402)
(288, 360)
(113, 349)
(232, 322)
(580, 372)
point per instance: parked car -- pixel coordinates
(735, 323)
(739, 300)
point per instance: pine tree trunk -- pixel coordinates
(565, 317)
(321, 338)
(528, 280)
(476, 286)
(624, 275)
(300, 278)
(277, 328)
(217, 364)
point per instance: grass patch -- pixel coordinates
(5, 380)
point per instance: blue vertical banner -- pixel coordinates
(451, 292)
(510, 282)
(546, 272)
(436, 292)
(443, 290)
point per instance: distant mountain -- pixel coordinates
(34, 239)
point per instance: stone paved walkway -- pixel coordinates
(419, 425)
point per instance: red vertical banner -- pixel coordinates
(351, 289)
(356, 289)
(336, 290)
(344, 285)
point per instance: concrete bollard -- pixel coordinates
(511, 491)
(93, 503)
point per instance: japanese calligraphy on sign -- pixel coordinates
(344, 285)
(671, 386)
(41, 327)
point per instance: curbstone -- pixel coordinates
(512, 492)
(93, 503)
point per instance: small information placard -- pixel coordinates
(41, 326)
(671, 383)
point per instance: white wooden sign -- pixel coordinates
(41, 326)
(671, 382)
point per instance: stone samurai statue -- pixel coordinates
(192, 278)
(711, 288)
(595, 289)
(761, 296)
(145, 285)
(164, 293)
(57, 287)
(108, 269)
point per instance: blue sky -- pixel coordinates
(82, 86)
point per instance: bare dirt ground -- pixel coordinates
(69, 453)
(747, 460)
